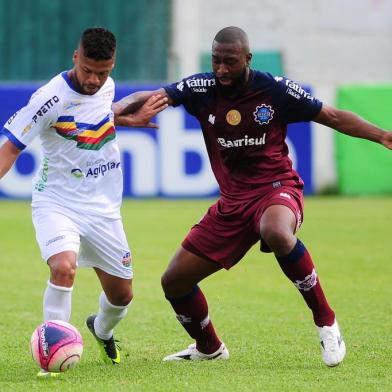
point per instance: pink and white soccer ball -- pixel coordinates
(56, 346)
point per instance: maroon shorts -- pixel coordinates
(228, 230)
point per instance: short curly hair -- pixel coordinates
(98, 43)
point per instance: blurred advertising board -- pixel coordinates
(169, 162)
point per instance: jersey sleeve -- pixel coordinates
(295, 103)
(38, 115)
(180, 94)
(190, 91)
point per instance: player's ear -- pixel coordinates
(75, 56)
(248, 58)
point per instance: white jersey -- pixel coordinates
(80, 166)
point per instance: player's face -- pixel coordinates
(230, 63)
(89, 74)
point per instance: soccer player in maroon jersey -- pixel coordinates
(244, 115)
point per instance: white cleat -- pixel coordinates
(333, 348)
(193, 354)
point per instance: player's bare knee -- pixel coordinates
(174, 287)
(165, 282)
(171, 287)
(126, 298)
(121, 297)
(280, 241)
(62, 272)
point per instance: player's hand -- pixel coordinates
(387, 140)
(141, 118)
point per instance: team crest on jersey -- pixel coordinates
(233, 117)
(263, 114)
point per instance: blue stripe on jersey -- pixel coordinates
(66, 119)
(12, 139)
(93, 127)
(84, 126)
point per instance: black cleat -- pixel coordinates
(109, 350)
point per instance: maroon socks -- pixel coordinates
(299, 268)
(192, 312)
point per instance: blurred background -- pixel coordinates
(341, 51)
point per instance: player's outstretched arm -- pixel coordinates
(8, 154)
(137, 109)
(351, 124)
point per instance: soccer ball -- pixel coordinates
(56, 346)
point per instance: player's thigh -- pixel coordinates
(223, 238)
(56, 232)
(187, 269)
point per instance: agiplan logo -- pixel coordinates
(98, 169)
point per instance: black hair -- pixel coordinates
(98, 43)
(232, 34)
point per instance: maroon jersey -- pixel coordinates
(245, 136)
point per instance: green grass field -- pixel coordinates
(256, 310)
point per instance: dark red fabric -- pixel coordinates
(297, 266)
(191, 311)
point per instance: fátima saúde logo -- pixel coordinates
(263, 114)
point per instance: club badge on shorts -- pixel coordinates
(263, 114)
(126, 259)
(233, 117)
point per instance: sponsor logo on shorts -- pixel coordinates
(307, 283)
(58, 238)
(285, 195)
(126, 259)
(263, 114)
(233, 117)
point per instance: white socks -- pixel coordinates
(57, 302)
(108, 317)
(57, 306)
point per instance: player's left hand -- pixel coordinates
(387, 140)
(141, 118)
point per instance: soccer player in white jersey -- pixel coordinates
(78, 190)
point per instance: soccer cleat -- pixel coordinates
(45, 374)
(333, 348)
(193, 354)
(109, 350)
